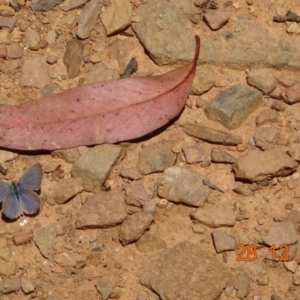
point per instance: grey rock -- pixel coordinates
(71, 4)
(232, 106)
(281, 233)
(69, 155)
(258, 165)
(149, 242)
(44, 5)
(117, 16)
(211, 135)
(275, 297)
(243, 282)
(101, 72)
(50, 89)
(134, 227)
(278, 105)
(8, 268)
(104, 288)
(32, 39)
(221, 156)
(70, 21)
(102, 210)
(45, 238)
(9, 285)
(130, 173)
(73, 57)
(204, 80)
(266, 116)
(14, 51)
(182, 185)
(27, 285)
(243, 189)
(292, 94)
(95, 165)
(231, 48)
(195, 153)
(294, 217)
(185, 271)
(215, 19)
(240, 211)
(156, 157)
(266, 137)
(7, 22)
(136, 194)
(66, 189)
(88, 18)
(262, 79)
(30, 77)
(214, 216)
(222, 241)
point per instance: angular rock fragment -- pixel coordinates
(266, 137)
(211, 135)
(156, 157)
(185, 271)
(73, 57)
(216, 215)
(221, 156)
(281, 233)
(134, 227)
(262, 79)
(258, 165)
(150, 242)
(215, 19)
(232, 106)
(292, 94)
(222, 241)
(182, 185)
(102, 210)
(44, 5)
(266, 116)
(204, 80)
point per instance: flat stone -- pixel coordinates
(6, 10)
(95, 165)
(45, 238)
(69, 155)
(7, 22)
(104, 288)
(14, 51)
(266, 116)
(32, 39)
(30, 77)
(258, 165)
(214, 216)
(195, 153)
(8, 268)
(101, 72)
(278, 105)
(22, 237)
(296, 277)
(185, 271)
(215, 19)
(71, 4)
(9, 285)
(243, 189)
(243, 282)
(117, 16)
(262, 79)
(233, 105)
(73, 57)
(156, 157)
(266, 137)
(211, 135)
(149, 242)
(181, 185)
(292, 94)
(130, 173)
(204, 80)
(27, 285)
(240, 211)
(102, 210)
(135, 194)
(66, 189)
(44, 5)
(88, 18)
(222, 241)
(290, 265)
(281, 233)
(134, 227)
(221, 156)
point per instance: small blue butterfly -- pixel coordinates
(19, 197)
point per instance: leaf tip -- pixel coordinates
(197, 50)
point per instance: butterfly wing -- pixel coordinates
(29, 201)
(10, 205)
(5, 190)
(31, 179)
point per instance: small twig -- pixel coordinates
(130, 68)
(212, 186)
(290, 16)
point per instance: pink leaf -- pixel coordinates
(102, 112)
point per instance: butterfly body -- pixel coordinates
(19, 197)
